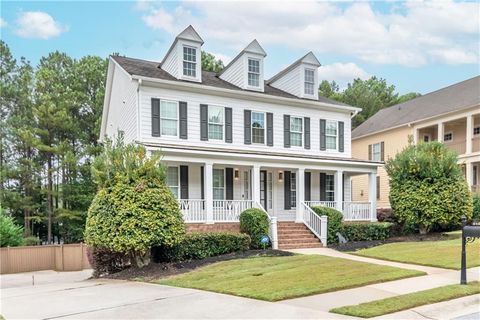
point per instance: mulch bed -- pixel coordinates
(162, 270)
(357, 245)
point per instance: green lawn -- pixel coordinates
(443, 254)
(278, 278)
(408, 301)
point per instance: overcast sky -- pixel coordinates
(417, 46)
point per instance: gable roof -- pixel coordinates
(152, 69)
(188, 34)
(459, 96)
(252, 47)
(309, 58)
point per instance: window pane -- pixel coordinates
(218, 178)
(253, 79)
(293, 190)
(331, 142)
(296, 124)
(215, 131)
(330, 187)
(168, 127)
(309, 81)
(215, 115)
(331, 128)
(189, 54)
(189, 69)
(295, 139)
(172, 180)
(258, 135)
(258, 120)
(308, 88)
(253, 66)
(168, 109)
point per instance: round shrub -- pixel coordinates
(11, 234)
(254, 222)
(427, 188)
(334, 224)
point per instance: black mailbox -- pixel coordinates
(469, 234)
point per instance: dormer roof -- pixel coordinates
(189, 34)
(309, 59)
(253, 47)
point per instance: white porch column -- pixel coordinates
(469, 135)
(339, 190)
(469, 174)
(415, 135)
(300, 194)
(256, 184)
(440, 131)
(372, 195)
(208, 187)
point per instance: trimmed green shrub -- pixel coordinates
(334, 224)
(254, 222)
(196, 246)
(476, 207)
(427, 187)
(11, 234)
(366, 231)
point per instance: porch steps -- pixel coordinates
(293, 235)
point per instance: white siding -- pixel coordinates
(171, 64)
(238, 106)
(235, 74)
(290, 82)
(122, 111)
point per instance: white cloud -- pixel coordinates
(3, 23)
(342, 73)
(225, 58)
(38, 25)
(411, 34)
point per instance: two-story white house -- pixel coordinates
(234, 140)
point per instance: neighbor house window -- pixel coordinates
(331, 135)
(376, 152)
(448, 136)
(168, 118)
(218, 184)
(293, 189)
(330, 187)
(476, 131)
(189, 62)
(296, 131)
(258, 127)
(309, 81)
(253, 73)
(215, 123)
(172, 180)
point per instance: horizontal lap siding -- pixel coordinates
(291, 82)
(234, 73)
(238, 106)
(171, 63)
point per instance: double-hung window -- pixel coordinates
(218, 184)
(258, 127)
(215, 123)
(253, 73)
(309, 81)
(172, 180)
(448, 136)
(476, 131)
(168, 118)
(330, 187)
(189, 61)
(293, 190)
(296, 131)
(331, 135)
(376, 152)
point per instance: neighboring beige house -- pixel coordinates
(450, 115)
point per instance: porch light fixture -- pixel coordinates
(280, 176)
(236, 174)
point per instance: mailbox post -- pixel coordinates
(469, 234)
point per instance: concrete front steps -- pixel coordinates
(293, 235)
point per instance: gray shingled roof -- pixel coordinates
(152, 69)
(465, 94)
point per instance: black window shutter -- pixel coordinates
(382, 151)
(183, 182)
(228, 125)
(323, 184)
(204, 122)
(341, 136)
(323, 140)
(228, 183)
(378, 187)
(306, 121)
(308, 189)
(269, 129)
(247, 123)
(286, 131)
(155, 117)
(183, 120)
(202, 182)
(369, 152)
(287, 186)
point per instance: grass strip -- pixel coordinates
(407, 301)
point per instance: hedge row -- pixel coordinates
(366, 231)
(197, 246)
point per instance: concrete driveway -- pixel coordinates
(71, 295)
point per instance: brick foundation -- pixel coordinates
(216, 227)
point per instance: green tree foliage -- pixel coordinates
(371, 95)
(210, 63)
(11, 234)
(133, 209)
(427, 187)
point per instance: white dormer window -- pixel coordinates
(309, 83)
(189, 62)
(253, 72)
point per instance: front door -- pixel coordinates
(266, 190)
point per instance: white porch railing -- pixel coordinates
(329, 204)
(359, 211)
(317, 224)
(273, 226)
(193, 210)
(229, 210)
